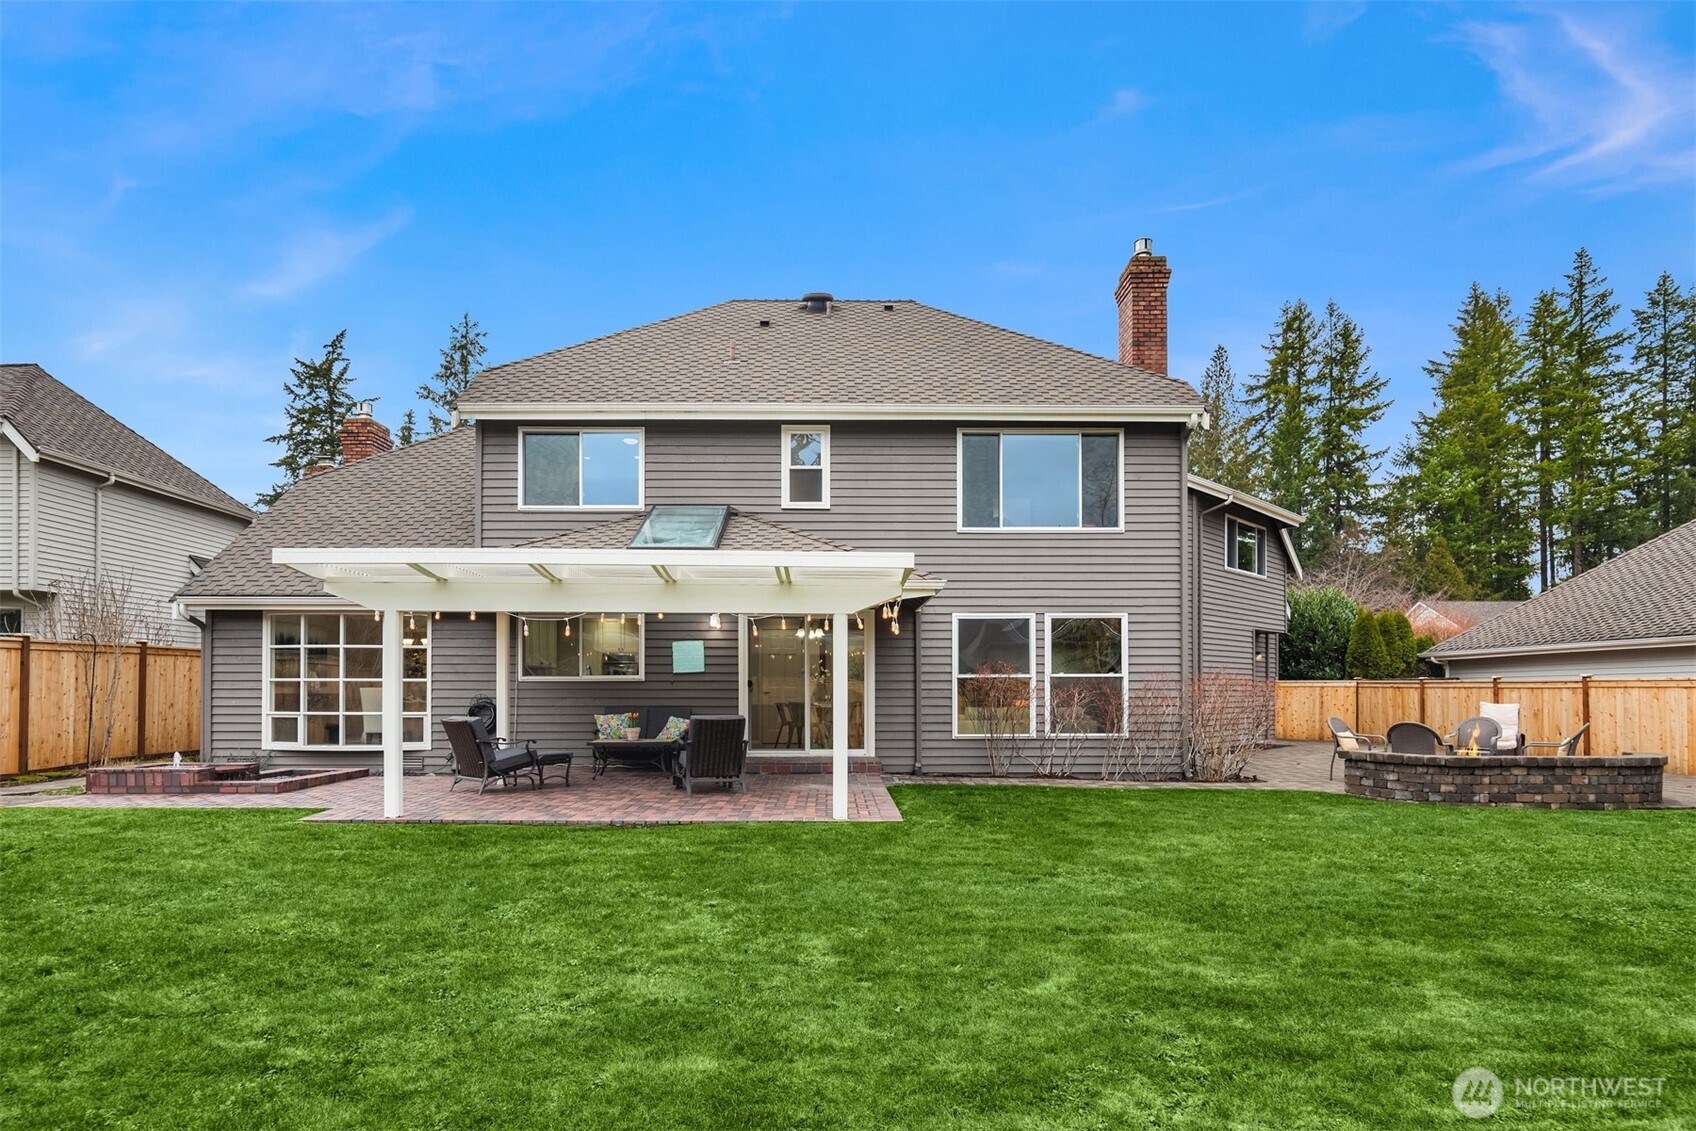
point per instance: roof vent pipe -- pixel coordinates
(1144, 246)
(817, 302)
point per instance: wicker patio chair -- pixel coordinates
(717, 751)
(1413, 738)
(1346, 741)
(1566, 747)
(1478, 734)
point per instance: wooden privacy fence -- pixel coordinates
(44, 708)
(1644, 716)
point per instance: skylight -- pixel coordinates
(676, 527)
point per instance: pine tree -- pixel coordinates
(1439, 575)
(408, 429)
(319, 400)
(1589, 459)
(1663, 402)
(1222, 453)
(461, 361)
(1283, 401)
(1541, 399)
(1366, 658)
(1397, 633)
(1349, 401)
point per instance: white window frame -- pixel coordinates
(954, 675)
(823, 432)
(641, 469)
(19, 610)
(1231, 547)
(1048, 668)
(641, 650)
(960, 526)
(266, 714)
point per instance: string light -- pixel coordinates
(713, 621)
(377, 616)
(526, 627)
(783, 624)
(660, 616)
(438, 614)
(411, 623)
(473, 614)
(859, 622)
(568, 626)
(754, 627)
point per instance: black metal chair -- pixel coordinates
(717, 751)
(1346, 741)
(1566, 747)
(1477, 735)
(1413, 738)
(478, 757)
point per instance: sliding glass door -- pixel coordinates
(790, 686)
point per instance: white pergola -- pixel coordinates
(531, 579)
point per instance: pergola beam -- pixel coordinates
(430, 573)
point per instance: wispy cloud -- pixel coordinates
(1123, 104)
(1326, 18)
(315, 255)
(1598, 103)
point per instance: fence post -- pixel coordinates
(1356, 721)
(23, 704)
(1584, 712)
(1495, 689)
(141, 699)
(1421, 700)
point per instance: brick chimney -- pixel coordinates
(363, 436)
(1142, 308)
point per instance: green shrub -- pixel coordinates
(1367, 657)
(1399, 645)
(1317, 642)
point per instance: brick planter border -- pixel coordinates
(1629, 781)
(204, 777)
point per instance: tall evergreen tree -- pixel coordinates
(1222, 453)
(1663, 402)
(1439, 575)
(408, 431)
(1467, 467)
(319, 400)
(1541, 401)
(1283, 402)
(1350, 400)
(461, 361)
(1367, 657)
(1590, 457)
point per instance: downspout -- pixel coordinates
(18, 462)
(111, 478)
(1196, 659)
(918, 690)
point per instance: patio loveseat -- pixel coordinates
(646, 751)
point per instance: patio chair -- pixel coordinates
(1346, 741)
(482, 759)
(544, 758)
(1566, 747)
(1413, 738)
(1477, 734)
(717, 751)
(1512, 740)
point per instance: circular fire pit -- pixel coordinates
(1629, 781)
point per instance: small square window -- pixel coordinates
(1245, 547)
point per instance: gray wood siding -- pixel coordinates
(1624, 663)
(1234, 605)
(893, 488)
(148, 538)
(234, 682)
(64, 522)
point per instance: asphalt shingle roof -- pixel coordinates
(1646, 593)
(420, 495)
(1470, 612)
(58, 421)
(861, 353)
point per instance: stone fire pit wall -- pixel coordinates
(1625, 782)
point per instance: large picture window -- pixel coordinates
(585, 646)
(994, 662)
(324, 680)
(806, 467)
(585, 468)
(1086, 674)
(1245, 547)
(1039, 480)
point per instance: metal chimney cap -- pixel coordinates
(362, 409)
(1144, 247)
(817, 302)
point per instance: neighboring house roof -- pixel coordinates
(741, 532)
(421, 495)
(1464, 613)
(57, 422)
(870, 358)
(1647, 594)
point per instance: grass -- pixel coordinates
(1006, 958)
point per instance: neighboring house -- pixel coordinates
(762, 507)
(84, 497)
(1632, 617)
(1441, 619)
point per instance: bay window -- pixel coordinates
(584, 646)
(1039, 480)
(324, 680)
(581, 468)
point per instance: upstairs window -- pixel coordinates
(1245, 547)
(1039, 480)
(806, 467)
(584, 468)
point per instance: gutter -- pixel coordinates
(1572, 646)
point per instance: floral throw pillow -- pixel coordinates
(675, 730)
(612, 726)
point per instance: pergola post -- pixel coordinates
(394, 768)
(839, 716)
(503, 675)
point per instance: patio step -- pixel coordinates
(808, 764)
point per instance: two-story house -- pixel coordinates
(85, 500)
(776, 508)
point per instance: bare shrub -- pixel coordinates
(1072, 717)
(1148, 729)
(1369, 577)
(1000, 702)
(1230, 716)
(100, 609)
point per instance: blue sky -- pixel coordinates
(191, 196)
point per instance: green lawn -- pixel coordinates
(1007, 957)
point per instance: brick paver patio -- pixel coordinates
(616, 798)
